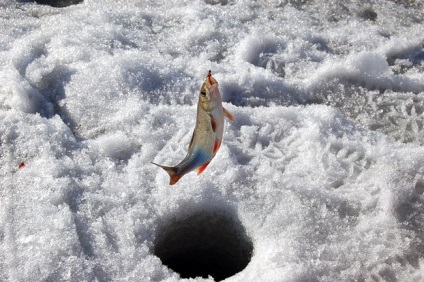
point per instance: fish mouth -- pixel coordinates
(210, 80)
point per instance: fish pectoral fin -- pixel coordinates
(228, 114)
(172, 171)
(213, 123)
(202, 168)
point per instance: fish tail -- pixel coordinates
(172, 171)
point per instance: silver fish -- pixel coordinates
(207, 135)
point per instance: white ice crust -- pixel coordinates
(324, 167)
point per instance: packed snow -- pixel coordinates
(320, 179)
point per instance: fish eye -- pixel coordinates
(203, 92)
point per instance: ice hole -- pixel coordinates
(58, 3)
(204, 244)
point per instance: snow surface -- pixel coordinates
(324, 168)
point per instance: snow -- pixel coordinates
(321, 178)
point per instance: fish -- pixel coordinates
(207, 135)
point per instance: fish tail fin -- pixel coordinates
(228, 114)
(172, 171)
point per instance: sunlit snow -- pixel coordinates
(320, 179)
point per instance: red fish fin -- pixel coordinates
(229, 115)
(202, 168)
(213, 123)
(174, 179)
(172, 171)
(216, 145)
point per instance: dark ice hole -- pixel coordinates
(204, 244)
(58, 3)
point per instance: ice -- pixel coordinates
(320, 179)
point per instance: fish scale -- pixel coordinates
(192, 161)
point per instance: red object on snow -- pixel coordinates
(21, 165)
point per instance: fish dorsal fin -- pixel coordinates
(228, 114)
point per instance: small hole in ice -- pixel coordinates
(58, 3)
(204, 244)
